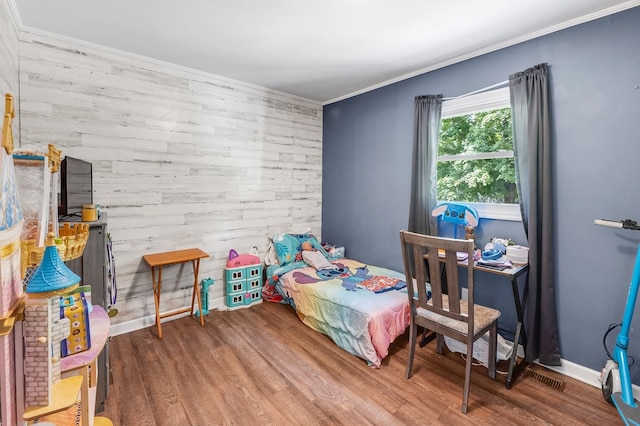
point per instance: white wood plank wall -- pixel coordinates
(180, 159)
(9, 68)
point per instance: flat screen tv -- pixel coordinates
(76, 186)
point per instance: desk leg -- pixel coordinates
(521, 335)
(157, 285)
(196, 289)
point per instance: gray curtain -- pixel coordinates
(532, 150)
(428, 110)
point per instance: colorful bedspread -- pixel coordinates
(362, 308)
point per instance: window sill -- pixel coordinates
(510, 212)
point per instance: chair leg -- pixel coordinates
(467, 378)
(493, 349)
(412, 349)
(439, 343)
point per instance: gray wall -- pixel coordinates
(595, 101)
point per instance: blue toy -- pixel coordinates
(491, 254)
(458, 214)
(615, 377)
(204, 296)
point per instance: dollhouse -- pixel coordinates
(50, 320)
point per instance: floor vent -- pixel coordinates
(556, 384)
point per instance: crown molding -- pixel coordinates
(133, 56)
(15, 13)
(545, 31)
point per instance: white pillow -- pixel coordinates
(270, 257)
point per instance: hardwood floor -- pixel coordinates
(261, 365)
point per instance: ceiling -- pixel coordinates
(323, 50)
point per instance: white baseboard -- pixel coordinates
(150, 320)
(576, 371)
(584, 374)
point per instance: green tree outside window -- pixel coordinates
(475, 158)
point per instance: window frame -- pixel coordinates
(474, 103)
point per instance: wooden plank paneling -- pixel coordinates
(9, 65)
(9, 68)
(179, 159)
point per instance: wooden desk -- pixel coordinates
(157, 261)
(520, 302)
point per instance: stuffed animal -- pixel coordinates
(469, 233)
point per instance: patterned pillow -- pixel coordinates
(288, 247)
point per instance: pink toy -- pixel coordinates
(237, 260)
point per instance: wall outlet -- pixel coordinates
(465, 294)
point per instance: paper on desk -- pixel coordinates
(502, 262)
(460, 255)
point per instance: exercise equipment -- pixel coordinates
(615, 377)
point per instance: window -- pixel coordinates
(475, 161)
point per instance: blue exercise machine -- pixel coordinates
(615, 377)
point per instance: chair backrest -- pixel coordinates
(423, 256)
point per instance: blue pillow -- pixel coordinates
(289, 247)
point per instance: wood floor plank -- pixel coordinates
(262, 365)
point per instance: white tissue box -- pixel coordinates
(518, 254)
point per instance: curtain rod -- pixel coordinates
(503, 83)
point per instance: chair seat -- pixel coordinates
(483, 316)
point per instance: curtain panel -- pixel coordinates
(428, 111)
(529, 95)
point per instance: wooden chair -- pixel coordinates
(445, 314)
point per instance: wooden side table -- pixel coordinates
(156, 261)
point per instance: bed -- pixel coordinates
(362, 308)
